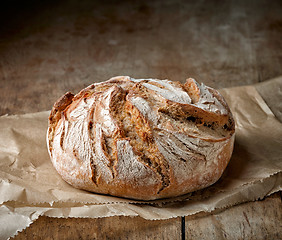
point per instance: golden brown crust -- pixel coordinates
(141, 138)
(55, 115)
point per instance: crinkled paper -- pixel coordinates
(30, 186)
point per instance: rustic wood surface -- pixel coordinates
(257, 220)
(50, 47)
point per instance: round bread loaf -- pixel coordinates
(141, 138)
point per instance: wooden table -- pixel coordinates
(51, 47)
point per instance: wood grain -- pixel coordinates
(257, 220)
(104, 228)
(50, 47)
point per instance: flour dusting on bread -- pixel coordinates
(141, 138)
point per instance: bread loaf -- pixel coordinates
(141, 138)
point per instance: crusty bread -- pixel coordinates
(141, 138)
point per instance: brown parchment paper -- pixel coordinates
(30, 186)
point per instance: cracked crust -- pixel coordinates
(141, 138)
